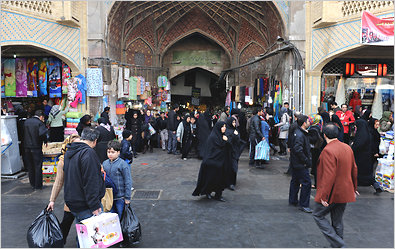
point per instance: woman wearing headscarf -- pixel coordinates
(148, 140)
(363, 155)
(184, 136)
(55, 122)
(284, 126)
(107, 134)
(386, 121)
(235, 151)
(316, 141)
(134, 126)
(85, 121)
(265, 128)
(204, 124)
(213, 170)
(68, 217)
(358, 112)
(374, 124)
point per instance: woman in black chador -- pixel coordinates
(234, 153)
(204, 123)
(214, 168)
(363, 155)
(106, 134)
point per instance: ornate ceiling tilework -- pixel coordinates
(137, 49)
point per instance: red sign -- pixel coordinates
(377, 31)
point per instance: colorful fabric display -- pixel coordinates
(21, 77)
(227, 100)
(120, 83)
(72, 88)
(126, 77)
(142, 85)
(266, 85)
(72, 120)
(162, 81)
(133, 88)
(66, 74)
(2, 80)
(70, 131)
(233, 93)
(82, 87)
(242, 94)
(71, 125)
(54, 74)
(32, 72)
(42, 77)
(138, 88)
(114, 78)
(78, 98)
(77, 115)
(94, 80)
(9, 78)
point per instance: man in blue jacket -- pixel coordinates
(84, 186)
(300, 163)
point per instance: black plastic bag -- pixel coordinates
(45, 231)
(130, 225)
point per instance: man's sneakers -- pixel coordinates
(306, 209)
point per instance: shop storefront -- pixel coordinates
(365, 82)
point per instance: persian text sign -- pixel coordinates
(377, 31)
(196, 58)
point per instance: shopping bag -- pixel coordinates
(107, 200)
(262, 151)
(45, 231)
(151, 129)
(99, 231)
(382, 147)
(131, 228)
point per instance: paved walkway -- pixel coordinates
(255, 215)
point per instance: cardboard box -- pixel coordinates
(99, 231)
(49, 169)
(50, 178)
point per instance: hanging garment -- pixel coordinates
(165, 81)
(66, 74)
(77, 99)
(54, 81)
(94, 82)
(254, 97)
(138, 87)
(237, 95)
(266, 85)
(142, 85)
(340, 92)
(42, 77)
(32, 73)
(120, 83)
(2, 80)
(21, 77)
(261, 88)
(126, 76)
(257, 88)
(233, 93)
(114, 78)
(242, 94)
(377, 107)
(228, 98)
(160, 81)
(72, 88)
(9, 78)
(82, 86)
(133, 88)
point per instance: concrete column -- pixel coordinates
(312, 92)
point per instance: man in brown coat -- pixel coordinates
(336, 186)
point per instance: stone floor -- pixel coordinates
(255, 215)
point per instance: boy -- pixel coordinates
(126, 147)
(119, 172)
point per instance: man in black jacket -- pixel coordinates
(162, 128)
(300, 163)
(291, 131)
(35, 134)
(84, 186)
(171, 130)
(255, 133)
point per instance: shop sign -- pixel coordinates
(377, 31)
(196, 58)
(366, 69)
(195, 96)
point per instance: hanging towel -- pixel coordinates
(21, 77)
(54, 77)
(94, 81)
(72, 90)
(114, 78)
(242, 94)
(237, 95)
(42, 77)
(9, 78)
(138, 87)
(133, 88)
(82, 87)
(120, 83)
(66, 74)
(2, 80)
(126, 77)
(32, 73)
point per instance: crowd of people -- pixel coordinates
(95, 159)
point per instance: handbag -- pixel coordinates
(107, 200)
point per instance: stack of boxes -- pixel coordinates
(51, 154)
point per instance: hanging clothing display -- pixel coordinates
(242, 94)
(54, 73)
(32, 82)
(261, 88)
(126, 73)
(2, 80)
(266, 85)
(82, 87)
(66, 74)
(228, 98)
(114, 78)
(21, 77)
(133, 88)
(94, 82)
(237, 95)
(142, 85)
(377, 106)
(233, 95)
(138, 87)
(42, 77)
(120, 107)
(120, 83)
(72, 88)
(340, 92)
(9, 78)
